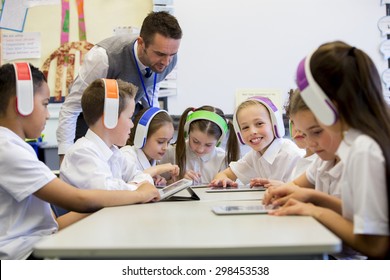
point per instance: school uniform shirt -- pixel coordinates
(208, 165)
(302, 165)
(138, 157)
(24, 218)
(363, 184)
(91, 164)
(325, 176)
(276, 163)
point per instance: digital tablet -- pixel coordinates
(241, 209)
(239, 188)
(200, 185)
(175, 187)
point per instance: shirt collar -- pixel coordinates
(345, 145)
(272, 151)
(135, 47)
(142, 158)
(102, 146)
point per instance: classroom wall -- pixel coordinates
(227, 45)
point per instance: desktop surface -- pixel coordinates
(188, 230)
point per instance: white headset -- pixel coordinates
(314, 97)
(111, 103)
(276, 118)
(142, 129)
(24, 88)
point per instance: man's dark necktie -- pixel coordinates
(148, 72)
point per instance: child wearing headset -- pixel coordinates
(324, 173)
(299, 138)
(149, 139)
(341, 86)
(27, 185)
(197, 151)
(95, 161)
(259, 124)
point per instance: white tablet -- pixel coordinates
(239, 188)
(200, 185)
(175, 187)
(241, 209)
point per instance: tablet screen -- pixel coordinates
(173, 186)
(242, 209)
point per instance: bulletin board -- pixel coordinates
(44, 20)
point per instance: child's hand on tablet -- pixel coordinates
(223, 183)
(265, 182)
(193, 175)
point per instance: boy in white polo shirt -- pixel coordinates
(27, 185)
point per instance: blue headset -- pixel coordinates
(142, 129)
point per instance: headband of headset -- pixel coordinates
(312, 94)
(24, 88)
(142, 129)
(208, 116)
(275, 116)
(111, 103)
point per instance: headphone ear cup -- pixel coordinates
(237, 129)
(111, 103)
(139, 138)
(24, 88)
(314, 96)
(141, 132)
(186, 129)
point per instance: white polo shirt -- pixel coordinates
(277, 163)
(208, 165)
(325, 176)
(363, 184)
(138, 157)
(91, 164)
(24, 218)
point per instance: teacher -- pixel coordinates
(143, 60)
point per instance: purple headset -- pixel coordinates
(314, 97)
(276, 118)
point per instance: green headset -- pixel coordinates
(208, 116)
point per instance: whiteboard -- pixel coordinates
(229, 45)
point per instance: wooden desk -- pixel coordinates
(188, 230)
